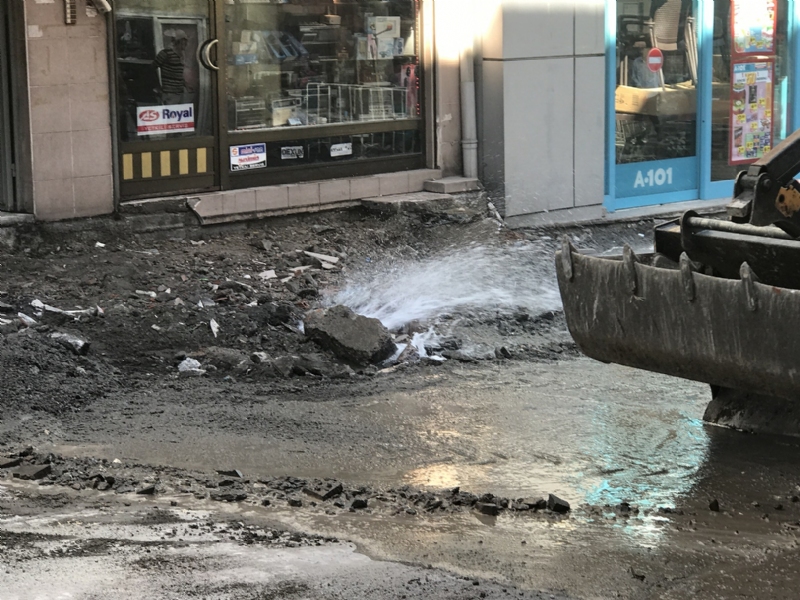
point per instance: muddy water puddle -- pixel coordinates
(589, 432)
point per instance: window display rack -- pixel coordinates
(337, 103)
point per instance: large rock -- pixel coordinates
(558, 505)
(353, 338)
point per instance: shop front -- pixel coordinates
(229, 94)
(696, 91)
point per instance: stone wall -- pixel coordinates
(69, 112)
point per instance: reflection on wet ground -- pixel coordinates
(595, 433)
(592, 433)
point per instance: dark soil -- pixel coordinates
(157, 300)
(145, 305)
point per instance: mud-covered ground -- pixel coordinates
(280, 454)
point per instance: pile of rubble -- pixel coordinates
(324, 495)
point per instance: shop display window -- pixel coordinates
(158, 69)
(306, 63)
(657, 70)
(751, 77)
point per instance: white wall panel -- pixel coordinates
(538, 135)
(589, 130)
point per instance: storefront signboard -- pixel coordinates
(248, 156)
(172, 118)
(292, 152)
(345, 149)
(665, 176)
(751, 127)
(753, 24)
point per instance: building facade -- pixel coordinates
(594, 107)
(243, 107)
(247, 108)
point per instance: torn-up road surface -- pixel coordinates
(171, 426)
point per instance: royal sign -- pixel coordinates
(174, 118)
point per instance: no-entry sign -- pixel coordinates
(655, 60)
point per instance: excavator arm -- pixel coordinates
(767, 193)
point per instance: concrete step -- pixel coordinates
(8, 219)
(428, 204)
(452, 185)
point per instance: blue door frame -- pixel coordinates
(695, 171)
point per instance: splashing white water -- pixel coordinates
(501, 279)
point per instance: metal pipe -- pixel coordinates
(469, 127)
(742, 228)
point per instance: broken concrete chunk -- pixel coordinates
(147, 491)
(228, 496)
(318, 365)
(284, 365)
(488, 508)
(536, 503)
(189, 367)
(214, 327)
(189, 364)
(26, 320)
(42, 307)
(72, 342)
(192, 373)
(556, 504)
(231, 473)
(6, 308)
(259, 357)
(7, 463)
(322, 493)
(322, 258)
(226, 359)
(267, 275)
(351, 337)
(32, 472)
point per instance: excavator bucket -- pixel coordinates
(733, 333)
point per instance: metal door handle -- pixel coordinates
(204, 54)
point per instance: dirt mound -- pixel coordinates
(37, 373)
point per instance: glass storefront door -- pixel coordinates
(718, 100)
(166, 84)
(751, 79)
(655, 102)
(220, 94)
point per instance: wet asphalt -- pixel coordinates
(596, 435)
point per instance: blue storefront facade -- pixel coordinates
(695, 91)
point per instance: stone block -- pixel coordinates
(452, 185)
